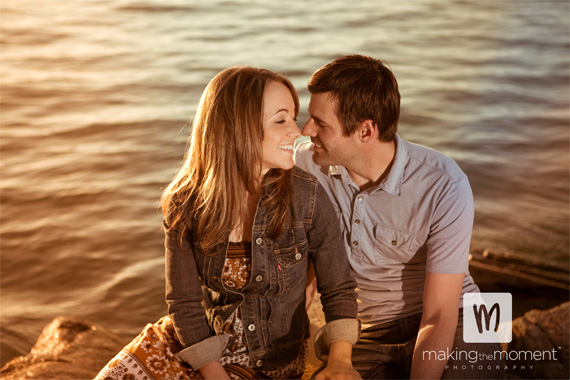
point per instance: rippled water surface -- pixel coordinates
(96, 95)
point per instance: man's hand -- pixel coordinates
(339, 365)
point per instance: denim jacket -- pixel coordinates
(273, 303)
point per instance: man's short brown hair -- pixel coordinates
(362, 88)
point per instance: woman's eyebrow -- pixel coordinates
(282, 109)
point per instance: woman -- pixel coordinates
(242, 226)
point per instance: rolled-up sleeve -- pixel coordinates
(207, 351)
(347, 330)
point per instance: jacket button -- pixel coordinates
(355, 243)
(394, 242)
(258, 278)
(251, 327)
(259, 363)
(357, 221)
(258, 241)
(360, 198)
(298, 256)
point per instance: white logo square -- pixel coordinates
(487, 317)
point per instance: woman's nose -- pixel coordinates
(294, 130)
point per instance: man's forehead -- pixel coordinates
(322, 100)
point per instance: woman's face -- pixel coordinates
(279, 127)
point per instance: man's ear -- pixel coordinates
(367, 130)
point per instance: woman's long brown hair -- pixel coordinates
(224, 159)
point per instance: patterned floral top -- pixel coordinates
(236, 275)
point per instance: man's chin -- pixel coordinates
(321, 159)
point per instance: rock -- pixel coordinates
(68, 348)
(72, 348)
(544, 333)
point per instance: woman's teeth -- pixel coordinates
(286, 147)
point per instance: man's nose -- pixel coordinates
(309, 129)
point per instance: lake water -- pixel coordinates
(96, 95)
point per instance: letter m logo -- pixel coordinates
(482, 316)
(487, 317)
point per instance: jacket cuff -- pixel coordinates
(204, 352)
(347, 330)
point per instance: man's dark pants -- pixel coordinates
(385, 351)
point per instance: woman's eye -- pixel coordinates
(280, 121)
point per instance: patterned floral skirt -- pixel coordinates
(150, 356)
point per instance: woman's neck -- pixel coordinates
(244, 227)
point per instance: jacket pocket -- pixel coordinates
(292, 264)
(393, 245)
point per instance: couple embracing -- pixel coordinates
(378, 225)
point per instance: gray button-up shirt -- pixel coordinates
(418, 219)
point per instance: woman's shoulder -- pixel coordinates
(301, 176)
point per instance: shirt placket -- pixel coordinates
(356, 233)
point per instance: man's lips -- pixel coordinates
(317, 144)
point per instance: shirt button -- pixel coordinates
(298, 256)
(258, 241)
(258, 278)
(259, 363)
(394, 242)
(355, 243)
(357, 221)
(251, 327)
(360, 197)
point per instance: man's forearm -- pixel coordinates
(435, 336)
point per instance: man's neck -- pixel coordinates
(372, 165)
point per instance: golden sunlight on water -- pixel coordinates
(96, 96)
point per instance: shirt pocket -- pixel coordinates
(393, 245)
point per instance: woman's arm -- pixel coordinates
(339, 365)
(336, 285)
(184, 298)
(214, 371)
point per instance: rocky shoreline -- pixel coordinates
(73, 348)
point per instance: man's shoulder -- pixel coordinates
(433, 160)
(303, 155)
(303, 158)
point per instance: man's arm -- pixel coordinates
(442, 293)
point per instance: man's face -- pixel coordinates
(324, 128)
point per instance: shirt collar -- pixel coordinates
(392, 184)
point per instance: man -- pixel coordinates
(406, 214)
